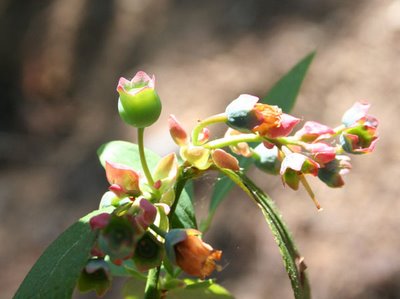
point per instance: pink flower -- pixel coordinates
(321, 152)
(178, 133)
(124, 180)
(359, 140)
(146, 213)
(138, 83)
(333, 171)
(246, 115)
(357, 112)
(285, 127)
(294, 165)
(360, 135)
(313, 130)
(99, 221)
(197, 156)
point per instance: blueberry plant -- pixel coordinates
(146, 228)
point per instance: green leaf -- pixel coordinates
(202, 290)
(56, 272)
(292, 260)
(184, 215)
(283, 94)
(285, 91)
(134, 289)
(127, 153)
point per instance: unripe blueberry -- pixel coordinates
(267, 159)
(241, 115)
(139, 104)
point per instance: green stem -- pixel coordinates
(151, 291)
(158, 230)
(143, 157)
(233, 140)
(218, 118)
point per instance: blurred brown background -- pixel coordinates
(59, 64)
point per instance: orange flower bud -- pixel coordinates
(190, 253)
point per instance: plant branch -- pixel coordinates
(218, 118)
(151, 291)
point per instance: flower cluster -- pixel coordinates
(197, 155)
(126, 232)
(137, 228)
(314, 149)
(319, 150)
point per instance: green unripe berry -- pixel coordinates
(241, 115)
(139, 104)
(266, 159)
(140, 110)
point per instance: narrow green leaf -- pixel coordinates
(283, 94)
(127, 153)
(56, 272)
(285, 91)
(291, 258)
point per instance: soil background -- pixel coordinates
(59, 64)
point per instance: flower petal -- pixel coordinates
(241, 148)
(322, 152)
(312, 130)
(224, 160)
(124, 177)
(166, 171)
(355, 113)
(147, 213)
(299, 163)
(177, 132)
(142, 78)
(287, 123)
(360, 139)
(99, 221)
(198, 156)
